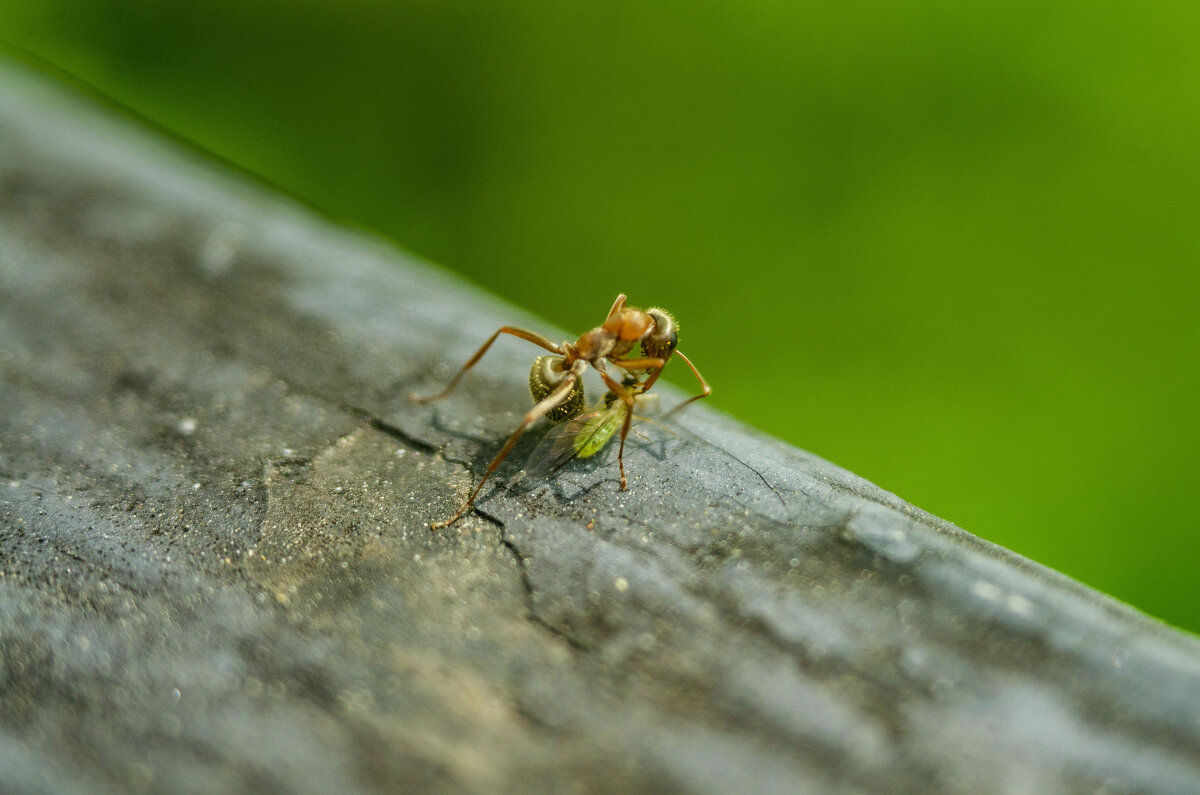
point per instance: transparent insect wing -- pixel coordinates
(597, 430)
(589, 434)
(558, 446)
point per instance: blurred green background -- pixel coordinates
(952, 247)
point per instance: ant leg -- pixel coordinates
(706, 389)
(536, 339)
(556, 397)
(627, 398)
(652, 367)
(647, 363)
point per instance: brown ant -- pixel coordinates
(556, 382)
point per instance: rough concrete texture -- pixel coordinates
(216, 571)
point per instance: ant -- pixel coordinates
(556, 381)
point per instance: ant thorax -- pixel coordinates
(629, 325)
(596, 344)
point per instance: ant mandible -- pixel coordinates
(556, 382)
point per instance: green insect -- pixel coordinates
(588, 433)
(598, 428)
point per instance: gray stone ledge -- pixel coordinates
(216, 572)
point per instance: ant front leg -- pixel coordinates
(647, 364)
(536, 339)
(626, 397)
(706, 390)
(544, 407)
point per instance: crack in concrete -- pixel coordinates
(395, 432)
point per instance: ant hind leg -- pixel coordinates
(545, 406)
(520, 333)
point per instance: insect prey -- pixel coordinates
(586, 435)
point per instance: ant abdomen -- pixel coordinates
(546, 374)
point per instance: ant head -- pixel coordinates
(663, 338)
